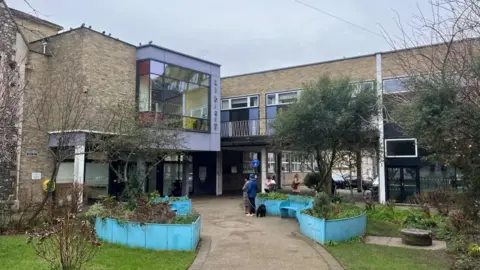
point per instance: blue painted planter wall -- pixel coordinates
(344, 229)
(332, 230)
(273, 206)
(183, 207)
(183, 237)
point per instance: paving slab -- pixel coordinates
(240, 242)
(397, 242)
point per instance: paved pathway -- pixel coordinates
(397, 242)
(240, 242)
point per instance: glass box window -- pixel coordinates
(239, 103)
(174, 92)
(282, 98)
(253, 101)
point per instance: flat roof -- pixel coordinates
(176, 52)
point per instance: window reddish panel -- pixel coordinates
(144, 67)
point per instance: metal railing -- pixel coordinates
(244, 128)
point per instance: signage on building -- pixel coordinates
(31, 153)
(255, 163)
(215, 106)
(36, 176)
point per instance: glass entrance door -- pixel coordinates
(402, 183)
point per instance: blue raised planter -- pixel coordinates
(183, 237)
(273, 206)
(322, 230)
(183, 207)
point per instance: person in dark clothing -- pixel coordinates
(252, 193)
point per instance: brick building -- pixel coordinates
(225, 120)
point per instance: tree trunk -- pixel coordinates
(358, 162)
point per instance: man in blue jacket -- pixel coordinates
(252, 193)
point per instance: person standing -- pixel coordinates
(252, 193)
(246, 202)
(296, 184)
(268, 182)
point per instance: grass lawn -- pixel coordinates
(359, 256)
(15, 253)
(383, 228)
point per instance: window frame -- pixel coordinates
(405, 77)
(229, 101)
(277, 99)
(401, 139)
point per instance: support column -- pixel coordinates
(263, 168)
(79, 170)
(382, 189)
(219, 170)
(185, 175)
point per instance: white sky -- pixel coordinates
(243, 36)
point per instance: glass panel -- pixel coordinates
(157, 67)
(287, 98)
(200, 78)
(225, 104)
(409, 182)
(193, 87)
(394, 85)
(172, 172)
(144, 94)
(253, 101)
(196, 102)
(239, 103)
(175, 85)
(271, 99)
(144, 67)
(156, 82)
(394, 184)
(179, 73)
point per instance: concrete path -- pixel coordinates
(397, 242)
(234, 241)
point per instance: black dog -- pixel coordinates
(262, 210)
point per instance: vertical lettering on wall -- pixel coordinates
(215, 111)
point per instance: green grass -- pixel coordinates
(383, 228)
(15, 254)
(360, 256)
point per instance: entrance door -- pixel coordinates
(403, 182)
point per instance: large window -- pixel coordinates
(173, 91)
(295, 162)
(401, 148)
(282, 98)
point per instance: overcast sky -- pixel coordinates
(242, 35)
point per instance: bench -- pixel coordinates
(416, 237)
(293, 205)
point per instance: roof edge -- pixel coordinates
(177, 52)
(23, 15)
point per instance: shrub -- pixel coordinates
(314, 180)
(442, 199)
(273, 196)
(323, 208)
(418, 220)
(322, 205)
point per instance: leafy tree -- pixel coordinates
(323, 122)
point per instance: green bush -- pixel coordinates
(324, 208)
(273, 196)
(417, 220)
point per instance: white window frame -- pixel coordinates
(229, 100)
(401, 139)
(276, 97)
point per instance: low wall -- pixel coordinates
(184, 237)
(322, 230)
(273, 206)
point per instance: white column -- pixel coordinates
(79, 169)
(381, 142)
(219, 174)
(263, 168)
(185, 175)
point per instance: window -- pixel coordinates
(401, 148)
(395, 85)
(361, 86)
(169, 89)
(240, 103)
(282, 98)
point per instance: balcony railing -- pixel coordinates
(247, 128)
(174, 121)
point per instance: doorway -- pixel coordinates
(403, 182)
